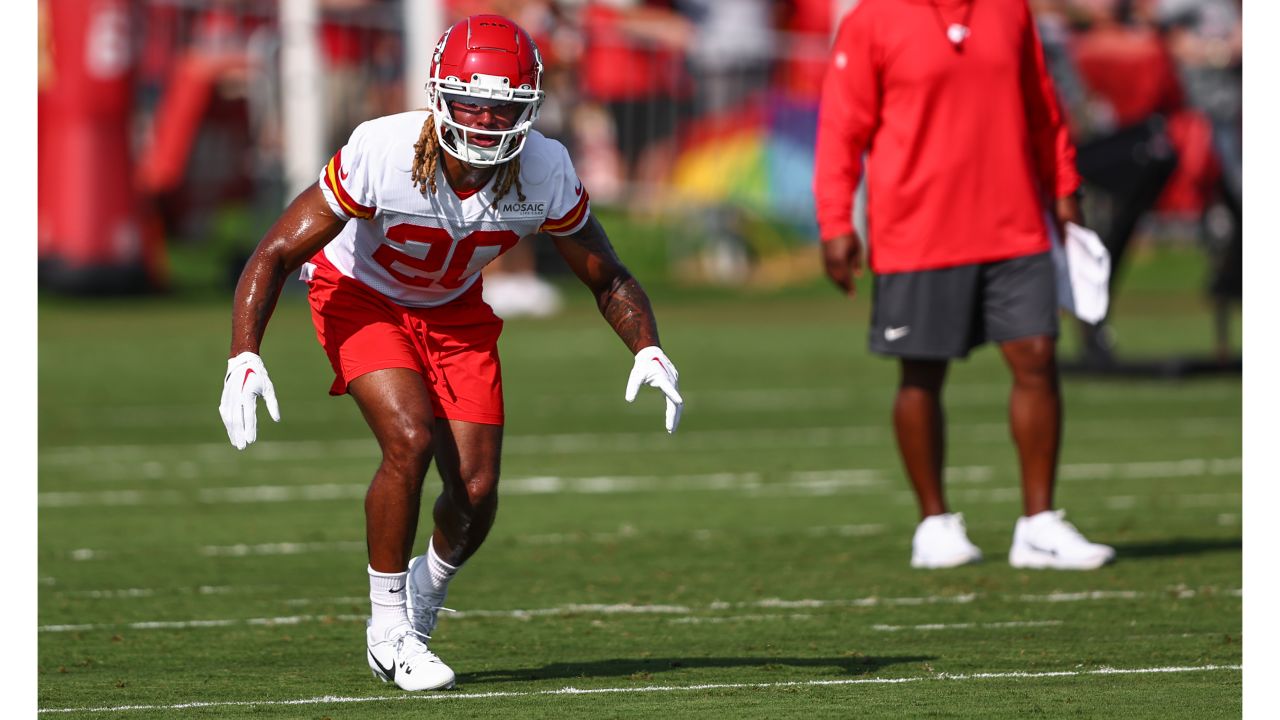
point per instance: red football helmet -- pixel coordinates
(482, 61)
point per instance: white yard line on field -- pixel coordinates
(168, 416)
(969, 626)
(460, 696)
(281, 548)
(745, 439)
(816, 482)
(720, 619)
(1175, 593)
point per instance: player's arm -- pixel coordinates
(304, 227)
(621, 300)
(625, 306)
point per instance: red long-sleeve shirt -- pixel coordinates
(962, 147)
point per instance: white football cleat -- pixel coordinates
(423, 604)
(940, 542)
(1046, 540)
(398, 655)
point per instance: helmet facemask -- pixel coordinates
(502, 67)
(482, 90)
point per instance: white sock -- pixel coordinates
(440, 572)
(386, 595)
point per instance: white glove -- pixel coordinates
(654, 368)
(245, 382)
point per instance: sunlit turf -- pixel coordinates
(729, 570)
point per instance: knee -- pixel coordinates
(482, 490)
(409, 448)
(1034, 361)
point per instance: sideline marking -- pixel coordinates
(446, 695)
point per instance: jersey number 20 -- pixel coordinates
(424, 272)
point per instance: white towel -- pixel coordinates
(1084, 272)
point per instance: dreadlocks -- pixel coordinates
(426, 155)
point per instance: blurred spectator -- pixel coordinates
(1125, 153)
(806, 34)
(633, 64)
(731, 52)
(345, 45)
(1205, 36)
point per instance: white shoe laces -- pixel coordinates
(419, 646)
(429, 614)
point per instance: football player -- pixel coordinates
(391, 241)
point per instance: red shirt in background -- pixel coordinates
(618, 66)
(1131, 69)
(807, 24)
(963, 147)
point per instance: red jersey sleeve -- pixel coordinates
(1054, 153)
(848, 115)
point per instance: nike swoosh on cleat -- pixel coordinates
(389, 672)
(1046, 551)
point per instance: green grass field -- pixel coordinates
(753, 565)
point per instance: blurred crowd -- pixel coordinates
(668, 103)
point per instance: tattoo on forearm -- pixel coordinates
(621, 300)
(626, 307)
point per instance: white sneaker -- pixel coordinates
(1046, 540)
(398, 655)
(424, 605)
(940, 542)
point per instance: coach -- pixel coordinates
(966, 152)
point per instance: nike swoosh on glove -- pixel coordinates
(246, 381)
(653, 368)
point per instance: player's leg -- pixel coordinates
(469, 458)
(924, 319)
(459, 346)
(398, 409)
(468, 461)
(1020, 307)
(375, 360)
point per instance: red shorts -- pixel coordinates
(454, 347)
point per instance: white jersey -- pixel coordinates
(425, 250)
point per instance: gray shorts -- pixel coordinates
(940, 314)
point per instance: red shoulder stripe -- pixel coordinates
(352, 208)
